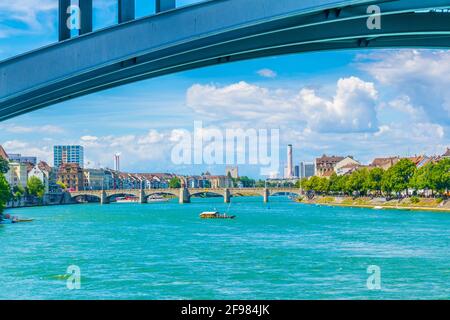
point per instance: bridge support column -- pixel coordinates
(184, 196)
(63, 31)
(226, 195)
(266, 195)
(126, 10)
(164, 5)
(104, 198)
(142, 198)
(66, 198)
(86, 16)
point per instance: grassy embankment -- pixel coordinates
(413, 203)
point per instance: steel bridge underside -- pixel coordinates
(206, 34)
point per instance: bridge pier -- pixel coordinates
(142, 198)
(104, 198)
(184, 196)
(266, 195)
(227, 195)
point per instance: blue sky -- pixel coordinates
(363, 103)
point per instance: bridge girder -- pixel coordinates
(205, 36)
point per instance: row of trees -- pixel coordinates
(34, 187)
(403, 176)
(5, 190)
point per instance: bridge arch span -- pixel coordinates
(110, 196)
(161, 192)
(198, 194)
(85, 196)
(278, 193)
(246, 193)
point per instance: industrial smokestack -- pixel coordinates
(289, 162)
(117, 162)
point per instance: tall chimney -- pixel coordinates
(117, 162)
(289, 162)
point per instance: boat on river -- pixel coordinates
(7, 219)
(215, 215)
(127, 199)
(154, 199)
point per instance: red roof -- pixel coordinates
(3, 154)
(351, 166)
(447, 153)
(378, 162)
(44, 166)
(327, 159)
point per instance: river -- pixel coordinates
(283, 250)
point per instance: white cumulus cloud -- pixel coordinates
(352, 108)
(421, 75)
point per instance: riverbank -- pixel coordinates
(415, 204)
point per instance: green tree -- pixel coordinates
(358, 182)
(440, 176)
(397, 177)
(375, 180)
(5, 192)
(62, 185)
(35, 187)
(17, 192)
(313, 184)
(334, 183)
(246, 182)
(323, 186)
(260, 184)
(4, 165)
(339, 184)
(387, 182)
(422, 178)
(304, 184)
(175, 183)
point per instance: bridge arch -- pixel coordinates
(110, 196)
(85, 196)
(162, 193)
(212, 192)
(281, 192)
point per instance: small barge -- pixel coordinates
(215, 215)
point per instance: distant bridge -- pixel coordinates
(183, 194)
(204, 34)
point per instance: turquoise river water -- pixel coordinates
(283, 250)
